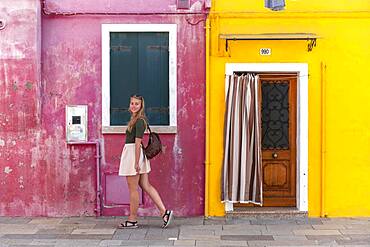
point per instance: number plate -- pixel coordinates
(265, 51)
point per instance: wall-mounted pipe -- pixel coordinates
(46, 11)
(97, 163)
(207, 161)
(291, 14)
(323, 212)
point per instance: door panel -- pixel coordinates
(276, 175)
(278, 128)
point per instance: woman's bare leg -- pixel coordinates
(152, 192)
(133, 182)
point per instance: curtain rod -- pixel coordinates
(282, 74)
(267, 73)
(280, 78)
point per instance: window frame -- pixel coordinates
(106, 29)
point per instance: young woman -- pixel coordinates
(135, 166)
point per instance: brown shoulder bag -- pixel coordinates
(154, 146)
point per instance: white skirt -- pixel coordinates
(127, 164)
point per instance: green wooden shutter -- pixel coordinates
(139, 65)
(123, 75)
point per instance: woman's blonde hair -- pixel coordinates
(139, 114)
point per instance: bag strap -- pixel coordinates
(147, 124)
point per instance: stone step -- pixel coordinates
(267, 212)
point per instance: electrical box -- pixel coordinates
(275, 5)
(183, 4)
(76, 123)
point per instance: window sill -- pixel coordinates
(157, 129)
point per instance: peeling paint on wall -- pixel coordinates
(7, 170)
(21, 182)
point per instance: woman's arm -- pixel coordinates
(137, 153)
(140, 128)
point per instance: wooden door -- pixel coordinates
(278, 97)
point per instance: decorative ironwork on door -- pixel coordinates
(275, 114)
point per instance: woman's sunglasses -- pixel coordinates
(137, 96)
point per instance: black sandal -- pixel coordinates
(128, 225)
(167, 218)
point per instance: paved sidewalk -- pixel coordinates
(223, 231)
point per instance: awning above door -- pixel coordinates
(310, 37)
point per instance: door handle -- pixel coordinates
(274, 155)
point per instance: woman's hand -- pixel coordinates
(137, 168)
(137, 154)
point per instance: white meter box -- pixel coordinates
(76, 123)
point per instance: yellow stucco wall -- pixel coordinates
(344, 28)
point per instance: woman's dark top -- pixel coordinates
(137, 131)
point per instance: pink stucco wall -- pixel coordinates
(50, 61)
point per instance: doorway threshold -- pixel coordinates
(268, 212)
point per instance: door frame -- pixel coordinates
(302, 119)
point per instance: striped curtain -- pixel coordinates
(242, 175)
